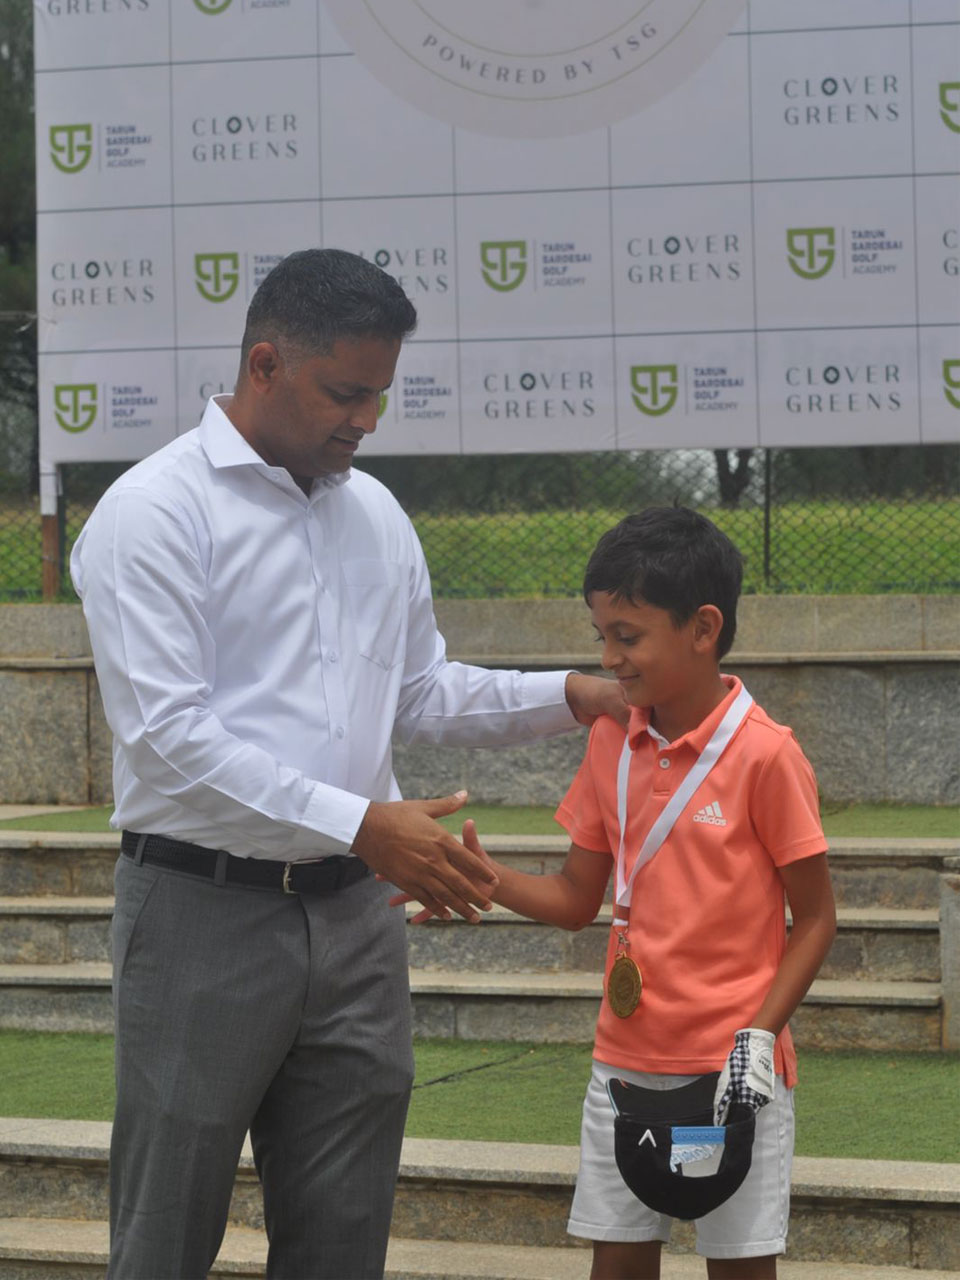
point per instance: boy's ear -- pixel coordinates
(707, 625)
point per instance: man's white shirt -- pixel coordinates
(257, 648)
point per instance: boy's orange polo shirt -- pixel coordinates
(707, 925)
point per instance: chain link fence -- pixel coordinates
(865, 520)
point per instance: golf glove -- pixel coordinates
(747, 1075)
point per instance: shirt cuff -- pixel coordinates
(329, 824)
(545, 702)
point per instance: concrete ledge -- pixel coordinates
(868, 684)
(39, 1244)
(490, 1194)
(766, 624)
(516, 1162)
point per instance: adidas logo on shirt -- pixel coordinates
(711, 814)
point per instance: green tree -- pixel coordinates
(18, 244)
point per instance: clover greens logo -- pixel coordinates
(811, 251)
(951, 382)
(503, 263)
(71, 146)
(382, 405)
(950, 104)
(216, 275)
(213, 7)
(75, 405)
(654, 388)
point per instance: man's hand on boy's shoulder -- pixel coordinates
(591, 696)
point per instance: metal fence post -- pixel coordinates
(767, 503)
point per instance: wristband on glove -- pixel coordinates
(747, 1075)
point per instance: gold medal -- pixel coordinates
(624, 986)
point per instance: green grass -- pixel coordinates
(819, 547)
(852, 820)
(95, 820)
(816, 548)
(504, 1092)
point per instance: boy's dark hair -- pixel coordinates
(315, 297)
(672, 558)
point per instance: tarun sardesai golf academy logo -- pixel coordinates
(71, 146)
(950, 104)
(654, 388)
(951, 382)
(75, 405)
(216, 275)
(503, 263)
(532, 70)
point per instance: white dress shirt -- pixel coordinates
(257, 648)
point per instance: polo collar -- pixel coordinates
(697, 738)
(225, 447)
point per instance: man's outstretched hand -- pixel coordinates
(403, 843)
(591, 696)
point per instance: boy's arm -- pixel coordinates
(570, 899)
(748, 1074)
(810, 895)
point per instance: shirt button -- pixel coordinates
(340, 731)
(331, 656)
(664, 762)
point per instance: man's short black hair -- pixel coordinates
(674, 559)
(315, 297)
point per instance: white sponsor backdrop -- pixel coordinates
(639, 223)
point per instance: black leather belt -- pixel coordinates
(317, 875)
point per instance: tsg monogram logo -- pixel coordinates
(951, 382)
(811, 251)
(71, 146)
(75, 405)
(504, 263)
(216, 275)
(655, 388)
(950, 104)
(213, 6)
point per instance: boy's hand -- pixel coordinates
(747, 1075)
(471, 841)
(589, 697)
(403, 843)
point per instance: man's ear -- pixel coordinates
(707, 625)
(264, 366)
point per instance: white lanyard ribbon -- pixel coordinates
(655, 837)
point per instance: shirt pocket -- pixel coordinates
(377, 607)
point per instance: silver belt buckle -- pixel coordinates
(288, 867)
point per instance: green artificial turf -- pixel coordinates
(852, 820)
(872, 1106)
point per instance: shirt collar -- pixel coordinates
(697, 738)
(226, 447)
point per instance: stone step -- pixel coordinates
(866, 871)
(562, 1007)
(892, 945)
(542, 1007)
(896, 1214)
(40, 1249)
(877, 944)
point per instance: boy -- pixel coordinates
(703, 917)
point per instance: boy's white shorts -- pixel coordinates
(752, 1223)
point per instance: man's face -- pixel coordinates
(312, 420)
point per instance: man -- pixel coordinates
(262, 623)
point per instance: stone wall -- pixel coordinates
(869, 685)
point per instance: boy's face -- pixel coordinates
(655, 661)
